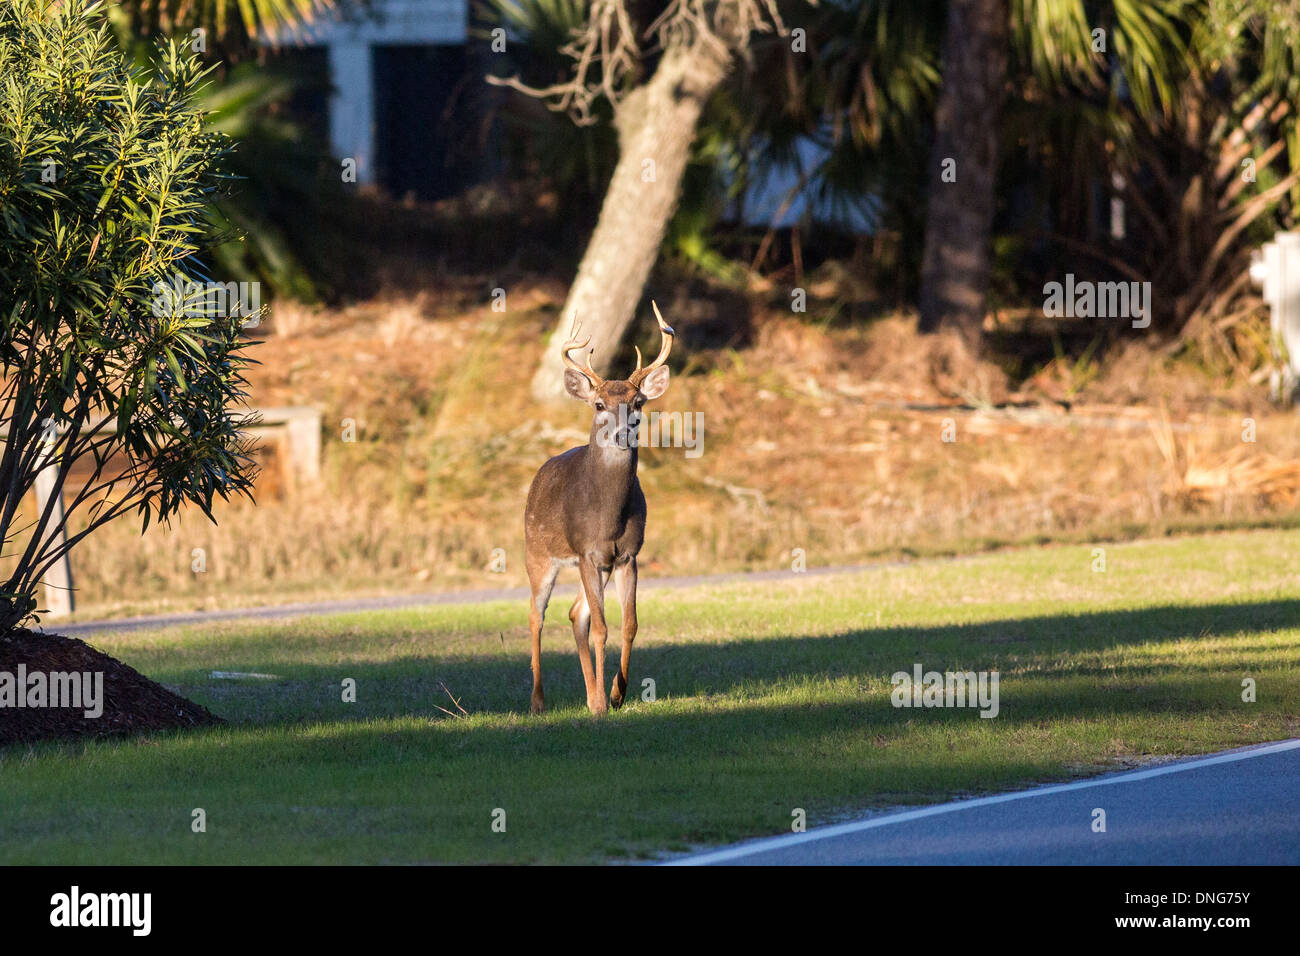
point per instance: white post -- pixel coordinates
(1278, 272)
(58, 579)
(352, 106)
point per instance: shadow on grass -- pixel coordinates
(650, 778)
(303, 777)
(499, 683)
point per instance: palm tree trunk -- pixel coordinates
(656, 126)
(959, 215)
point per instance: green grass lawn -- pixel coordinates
(770, 697)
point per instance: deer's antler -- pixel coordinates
(573, 343)
(666, 335)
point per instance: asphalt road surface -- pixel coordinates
(1239, 807)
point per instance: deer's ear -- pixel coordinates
(656, 383)
(577, 385)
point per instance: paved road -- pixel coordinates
(481, 596)
(1233, 808)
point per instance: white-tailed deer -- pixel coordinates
(585, 508)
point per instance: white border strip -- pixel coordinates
(857, 826)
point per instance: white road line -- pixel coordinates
(822, 833)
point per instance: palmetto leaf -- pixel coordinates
(251, 17)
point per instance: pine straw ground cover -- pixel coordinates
(113, 699)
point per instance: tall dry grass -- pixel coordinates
(810, 443)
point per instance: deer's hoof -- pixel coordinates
(597, 707)
(616, 693)
(538, 704)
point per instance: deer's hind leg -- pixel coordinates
(541, 581)
(580, 617)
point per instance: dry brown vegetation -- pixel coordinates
(825, 440)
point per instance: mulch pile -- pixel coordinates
(132, 703)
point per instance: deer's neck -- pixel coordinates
(610, 467)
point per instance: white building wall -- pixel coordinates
(349, 38)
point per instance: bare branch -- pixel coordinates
(606, 50)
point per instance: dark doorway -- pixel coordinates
(423, 135)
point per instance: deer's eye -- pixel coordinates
(600, 406)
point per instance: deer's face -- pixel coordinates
(617, 404)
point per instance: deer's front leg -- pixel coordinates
(593, 588)
(625, 581)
